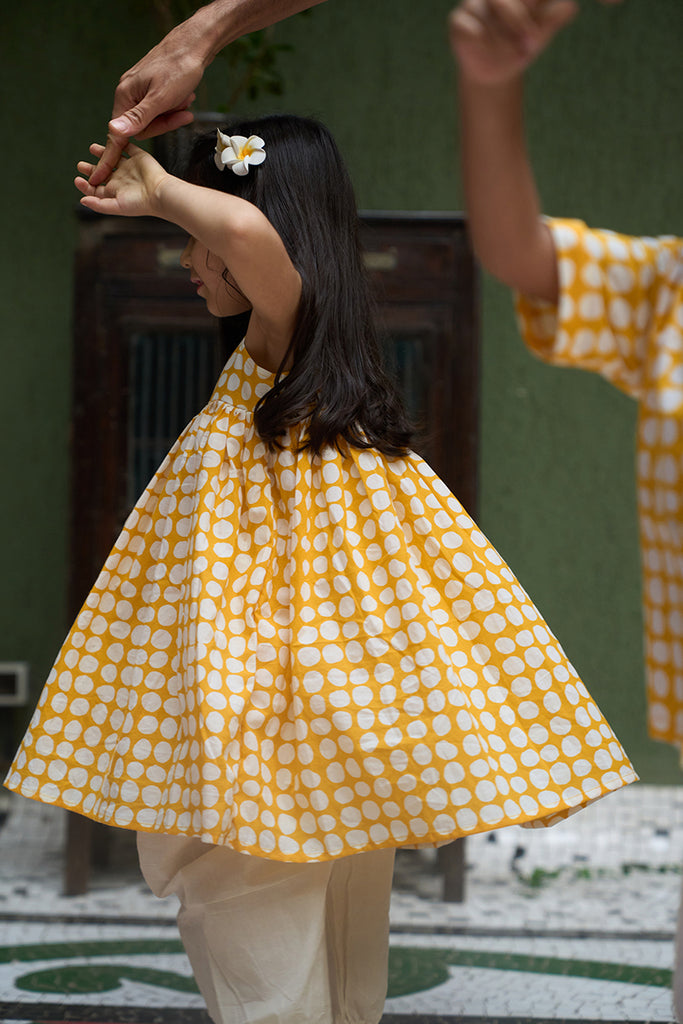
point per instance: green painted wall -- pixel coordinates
(557, 490)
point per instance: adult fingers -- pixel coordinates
(120, 130)
(110, 156)
(463, 22)
(555, 16)
(500, 22)
(135, 122)
(515, 16)
(166, 123)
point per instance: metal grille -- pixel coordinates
(408, 360)
(171, 375)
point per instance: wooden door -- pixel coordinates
(147, 355)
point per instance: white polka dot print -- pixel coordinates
(303, 658)
(621, 315)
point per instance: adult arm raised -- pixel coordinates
(154, 95)
(494, 42)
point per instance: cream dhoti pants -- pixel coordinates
(278, 943)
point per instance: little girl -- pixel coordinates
(301, 652)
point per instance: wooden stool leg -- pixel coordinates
(78, 847)
(452, 864)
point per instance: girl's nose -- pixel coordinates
(186, 258)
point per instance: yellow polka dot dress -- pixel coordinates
(620, 314)
(303, 658)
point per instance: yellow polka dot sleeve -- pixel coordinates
(616, 294)
(620, 313)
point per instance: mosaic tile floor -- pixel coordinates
(574, 923)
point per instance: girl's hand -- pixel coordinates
(494, 41)
(131, 191)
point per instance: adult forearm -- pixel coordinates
(504, 210)
(221, 22)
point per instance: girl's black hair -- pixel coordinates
(336, 382)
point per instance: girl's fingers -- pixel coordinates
(85, 168)
(100, 205)
(84, 186)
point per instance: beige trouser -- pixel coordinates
(276, 943)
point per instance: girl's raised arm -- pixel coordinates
(232, 228)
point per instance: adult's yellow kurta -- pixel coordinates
(620, 313)
(303, 658)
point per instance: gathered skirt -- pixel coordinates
(306, 657)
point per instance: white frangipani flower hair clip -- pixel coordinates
(238, 152)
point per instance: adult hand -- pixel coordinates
(153, 97)
(496, 40)
(130, 191)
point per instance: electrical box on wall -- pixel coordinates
(13, 683)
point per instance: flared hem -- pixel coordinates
(346, 849)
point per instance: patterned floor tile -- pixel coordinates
(574, 923)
